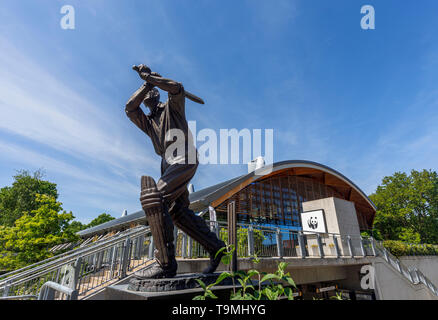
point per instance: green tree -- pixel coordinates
(29, 239)
(102, 218)
(76, 226)
(407, 207)
(20, 198)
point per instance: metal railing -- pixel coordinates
(89, 270)
(82, 247)
(50, 290)
(269, 241)
(413, 275)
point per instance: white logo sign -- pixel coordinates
(313, 221)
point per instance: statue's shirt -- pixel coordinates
(169, 115)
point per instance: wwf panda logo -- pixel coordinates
(312, 222)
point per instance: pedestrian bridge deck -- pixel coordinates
(94, 267)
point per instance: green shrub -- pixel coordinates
(242, 239)
(400, 248)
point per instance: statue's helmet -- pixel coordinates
(152, 97)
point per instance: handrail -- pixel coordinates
(117, 255)
(274, 228)
(49, 266)
(47, 291)
(65, 254)
(73, 255)
(23, 297)
(74, 269)
(388, 257)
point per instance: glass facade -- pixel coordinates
(276, 200)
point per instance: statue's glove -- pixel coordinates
(150, 199)
(143, 71)
(145, 75)
(142, 68)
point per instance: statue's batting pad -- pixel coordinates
(159, 220)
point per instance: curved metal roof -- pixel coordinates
(201, 199)
(116, 223)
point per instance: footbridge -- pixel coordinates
(85, 272)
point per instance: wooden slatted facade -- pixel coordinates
(277, 198)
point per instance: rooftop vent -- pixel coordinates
(191, 188)
(256, 164)
(125, 213)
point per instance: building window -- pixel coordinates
(276, 200)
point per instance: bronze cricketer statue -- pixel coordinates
(166, 203)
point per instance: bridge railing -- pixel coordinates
(411, 274)
(91, 269)
(266, 241)
(272, 241)
(87, 270)
(82, 247)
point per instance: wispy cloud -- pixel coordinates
(48, 116)
(39, 107)
(101, 184)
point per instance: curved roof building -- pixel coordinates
(270, 195)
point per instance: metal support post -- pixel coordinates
(190, 254)
(232, 233)
(125, 257)
(76, 274)
(48, 290)
(151, 248)
(279, 243)
(250, 241)
(350, 246)
(139, 247)
(99, 260)
(385, 254)
(373, 246)
(113, 260)
(362, 247)
(336, 244)
(301, 244)
(320, 248)
(184, 246)
(397, 262)
(216, 229)
(410, 276)
(6, 289)
(416, 277)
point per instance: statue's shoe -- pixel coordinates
(156, 271)
(214, 262)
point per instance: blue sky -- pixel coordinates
(362, 102)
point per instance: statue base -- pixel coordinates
(179, 282)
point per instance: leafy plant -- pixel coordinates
(399, 248)
(338, 296)
(33, 233)
(242, 239)
(226, 259)
(274, 290)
